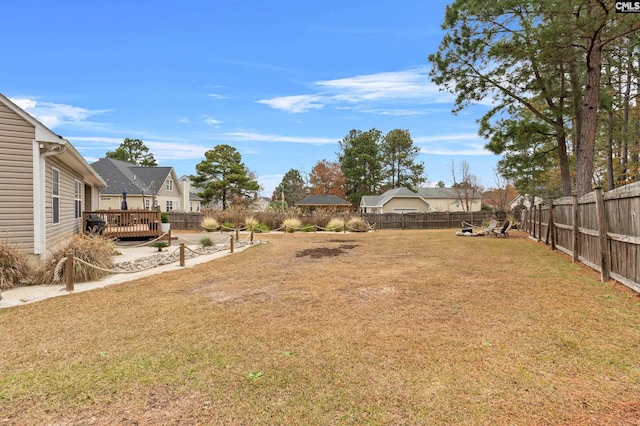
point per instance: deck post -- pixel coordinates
(70, 271)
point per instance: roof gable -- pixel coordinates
(323, 200)
(119, 177)
(67, 153)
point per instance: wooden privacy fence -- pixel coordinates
(433, 220)
(601, 230)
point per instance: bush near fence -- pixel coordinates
(432, 220)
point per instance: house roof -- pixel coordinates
(381, 200)
(446, 193)
(68, 154)
(121, 176)
(323, 200)
(422, 193)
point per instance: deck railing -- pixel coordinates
(126, 223)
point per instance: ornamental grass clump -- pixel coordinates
(336, 224)
(291, 224)
(250, 223)
(357, 224)
(93, 249)
(14, 267)
(206, 242)
(210, 224)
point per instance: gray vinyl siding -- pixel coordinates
(16, 177)
(57, 233)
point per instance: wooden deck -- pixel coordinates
(125, 223)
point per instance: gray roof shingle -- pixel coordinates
(122, 176)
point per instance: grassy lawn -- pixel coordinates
(391, 327)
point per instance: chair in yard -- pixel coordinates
(481, 230)
(504, 231)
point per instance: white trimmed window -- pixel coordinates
(147, 203)
(169, 206)
(77, 199)
(55, 195)
(169, 184)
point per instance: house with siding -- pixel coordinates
(403, 200)
(145, 187)
(46, 184)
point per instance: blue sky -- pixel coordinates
(281, 81)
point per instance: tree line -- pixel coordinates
(562, 78)
(368, 163)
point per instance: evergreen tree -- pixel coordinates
(292, 187)
(133, 151)
(361, 163)
(223, 177)
(399, 160)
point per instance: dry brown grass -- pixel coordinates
(14, 266)
(391, 327)
(93, 249)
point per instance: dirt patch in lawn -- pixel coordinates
(317, 253)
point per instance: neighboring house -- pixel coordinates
(145, 187)
(327, 202)
(525, 201)
(499, 199)
(190, 200)
(403, 200)
(261, 204)
(46, 184)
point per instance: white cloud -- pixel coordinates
(211, 120)
(54, 115)
(299, 103)
(184, 120)
(258, 137)
(412, 86)
(216, 96)
(467, 144)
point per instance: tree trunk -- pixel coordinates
(586, 147)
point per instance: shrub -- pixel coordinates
(335, 224)
(357, 224)
(93, 249)
(227, 226)
(260, 228)
(210, 224)
(14, 267)
(206, 242)
(308, 227)
(164, 217)
(160, 245)
(291, 224)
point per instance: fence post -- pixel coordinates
(231, 245)
(576, 228)
(550, 227)
(237, 234)
(539, 222)
(602, 235)
(251, 236)
(181, 254)
(70, 271)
